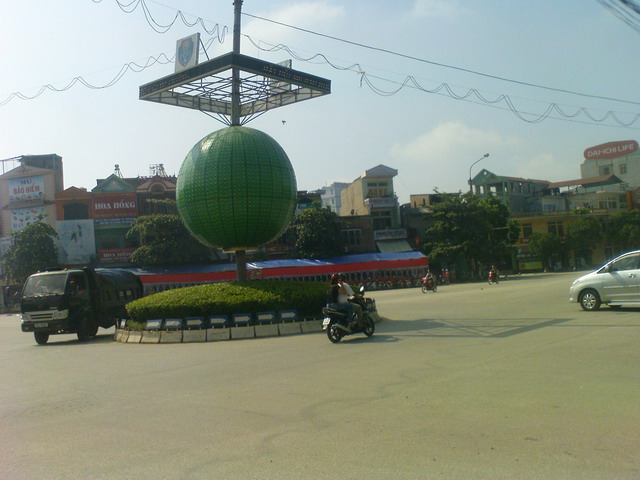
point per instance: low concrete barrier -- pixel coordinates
(190, 336)
(289, 328)
(220, 334)
(217, 334)
(270, 330)
(150, 336)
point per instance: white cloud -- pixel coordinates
(443, 156)
(545, 166)
(451, 140)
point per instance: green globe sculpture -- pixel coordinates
(236, 189)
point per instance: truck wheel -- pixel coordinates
(41, 337)
(88, 329)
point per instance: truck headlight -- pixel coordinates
(26, 317)
(60, 314)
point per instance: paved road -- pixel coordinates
(473, 382)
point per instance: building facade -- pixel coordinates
(332, 196)
(27, 194)
(372, 195)
(620, 158)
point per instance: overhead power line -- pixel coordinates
(626, 10)
(131, 7)
(461, 69)
(472, 95)
(135, 67)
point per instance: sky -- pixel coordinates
(478, 78)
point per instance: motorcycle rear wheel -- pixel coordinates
(369, 326)
(334, 334)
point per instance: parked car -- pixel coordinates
(616, 283)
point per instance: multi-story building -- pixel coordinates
(27, 192)
(372, 195)
(519, 194)
(76, 238)
(621, 159)
(332, 196)
(609, 184)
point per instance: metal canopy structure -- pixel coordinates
(208, 87)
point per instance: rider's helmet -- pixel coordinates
(335, 277)
(342, 276)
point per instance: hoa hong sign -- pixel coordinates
(26, 189)
(114, 207)
(611, 150)
(118, 255)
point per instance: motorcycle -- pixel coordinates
(338, 323)
(493, 278)
(429, 283)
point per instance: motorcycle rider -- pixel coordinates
(493, 274)
(342, 294)
(429, 279)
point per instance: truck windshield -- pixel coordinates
(45, 285)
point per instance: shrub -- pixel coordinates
(307, 298)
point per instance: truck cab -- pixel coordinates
(60, 301)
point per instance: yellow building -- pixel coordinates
(372, 195)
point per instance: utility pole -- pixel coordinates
(235, 74)
(241, 258)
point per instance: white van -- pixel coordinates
(616, 283)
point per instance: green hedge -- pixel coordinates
(307, 298)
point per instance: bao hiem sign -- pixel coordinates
(114, 208)
(611, 150)
(26, 189)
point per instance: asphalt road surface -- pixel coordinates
(507, 381)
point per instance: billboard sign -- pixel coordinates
(23, 217)
(611, 150)
(114, 208)
(76, 242)
(26, 189)
(115, 255)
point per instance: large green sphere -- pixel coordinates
(236, 189)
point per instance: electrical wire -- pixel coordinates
(472, 95)
(162, 59)
(132, 6)
(461, 69)
(626, 10)
(445, 89)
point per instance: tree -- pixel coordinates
(469, 228)
(165, 241)
(624, 230)
(317, 233)
(582, 236)
(32, 249)
(546, 246)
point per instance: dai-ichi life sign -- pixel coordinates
(611, 150)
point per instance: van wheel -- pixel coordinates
(590, 300)
(41, 337)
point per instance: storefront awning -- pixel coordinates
(392, 246)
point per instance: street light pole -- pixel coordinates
(481, 158)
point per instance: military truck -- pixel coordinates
(59, 301)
